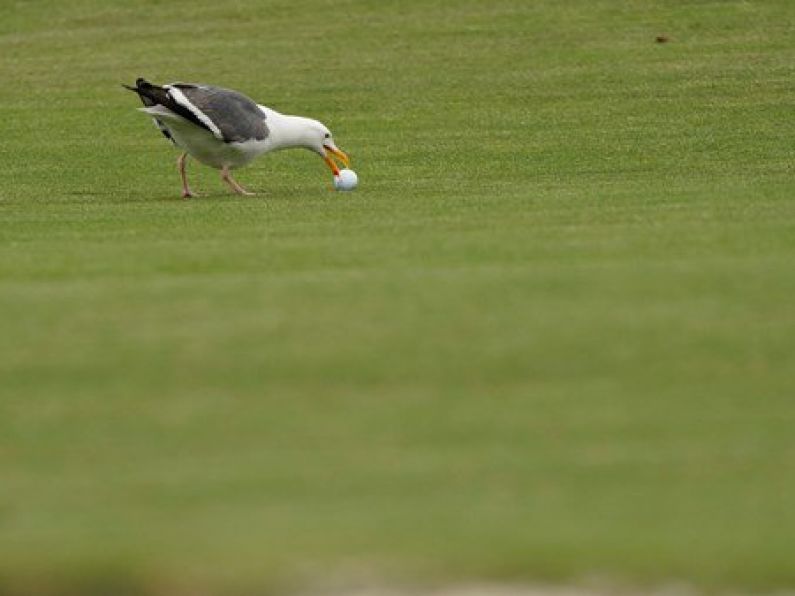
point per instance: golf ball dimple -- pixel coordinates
(346, 180)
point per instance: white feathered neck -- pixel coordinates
(290, 131)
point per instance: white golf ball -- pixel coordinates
(346, 180)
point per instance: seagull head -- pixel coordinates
(328, 150)
(307, 133)
(317, 137)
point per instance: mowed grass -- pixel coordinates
(549, 338)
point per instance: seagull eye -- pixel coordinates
(328, 135)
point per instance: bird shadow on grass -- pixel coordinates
(219, 196)
(129, 197)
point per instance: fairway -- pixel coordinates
(550, 339)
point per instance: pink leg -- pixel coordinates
(186, 191)
(227, 177)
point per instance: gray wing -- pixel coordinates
(235, 115)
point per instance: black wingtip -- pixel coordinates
(140, 83)
(150, 94)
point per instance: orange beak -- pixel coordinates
(332, 151)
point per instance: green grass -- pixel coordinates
(549, 338)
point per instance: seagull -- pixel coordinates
(226, 130)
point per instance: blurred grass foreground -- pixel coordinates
(549, 338)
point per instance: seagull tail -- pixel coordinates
(160, 104)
